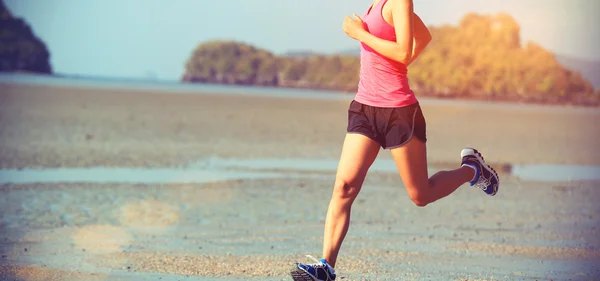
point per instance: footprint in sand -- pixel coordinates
(101, 239)
(151, 215)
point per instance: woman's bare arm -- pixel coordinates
(422, 37)
(402, 49)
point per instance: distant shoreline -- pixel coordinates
(173, 86)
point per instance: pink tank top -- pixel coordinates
(383, 82)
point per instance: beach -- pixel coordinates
(233, 207)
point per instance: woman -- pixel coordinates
(386, 114)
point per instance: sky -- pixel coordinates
(154, 38)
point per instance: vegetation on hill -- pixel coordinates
(589, 68)
(20, 49)
(481, 58)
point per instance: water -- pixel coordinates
(531, 172)
(130, 175)
(556, 172)
(216, 169)
(171, 87)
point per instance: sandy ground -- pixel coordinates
(50, 127)
(254, 229)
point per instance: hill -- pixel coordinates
(20, 49)
(481, 58)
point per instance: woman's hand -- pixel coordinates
(353, 27)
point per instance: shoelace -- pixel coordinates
(319, 264)
(483, 183)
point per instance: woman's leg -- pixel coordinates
(411, 160)
(358, 154)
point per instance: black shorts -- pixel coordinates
(390, 127)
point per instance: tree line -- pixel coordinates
(481, 58)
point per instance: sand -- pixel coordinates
(53, 127)
(255, 229)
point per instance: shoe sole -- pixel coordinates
(299, 275)
(487, 167)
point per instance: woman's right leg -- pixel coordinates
(411, 161)
(358, 154)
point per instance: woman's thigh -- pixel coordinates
(411, 161)
(358, 154)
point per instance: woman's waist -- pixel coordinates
(374, 76)
(387, 89)
(385, 98)
(384, 83)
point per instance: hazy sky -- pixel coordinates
(133, 38)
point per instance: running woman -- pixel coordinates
(386, 114)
